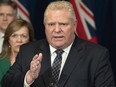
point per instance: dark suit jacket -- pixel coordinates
(87, 65)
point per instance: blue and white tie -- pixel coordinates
(56, 65)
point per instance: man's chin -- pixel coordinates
(58, 45)
(4, 28)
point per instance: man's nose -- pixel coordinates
(5, 17)
(57, 28)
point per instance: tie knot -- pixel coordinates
(59, 51)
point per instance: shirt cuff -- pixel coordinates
(25, 82)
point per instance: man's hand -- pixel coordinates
(35, 67)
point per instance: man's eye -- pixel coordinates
(10, 15)
(64, 24)
(50, 24)
(1, 14)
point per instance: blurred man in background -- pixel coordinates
(8, 11)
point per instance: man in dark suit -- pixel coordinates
(84, 64)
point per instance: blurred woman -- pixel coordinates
(18, 32)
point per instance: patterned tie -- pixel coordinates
(57, 64)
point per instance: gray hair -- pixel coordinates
(56, 5)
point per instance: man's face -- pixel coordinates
(7, 15)
(59, 28)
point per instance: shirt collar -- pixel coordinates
(1, 34)
(52, 49)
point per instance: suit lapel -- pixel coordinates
(71, 62)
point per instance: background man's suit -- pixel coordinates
(87, 65)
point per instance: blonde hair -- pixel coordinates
(57, 5)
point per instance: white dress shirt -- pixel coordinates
(53, 56)
(1, 40)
